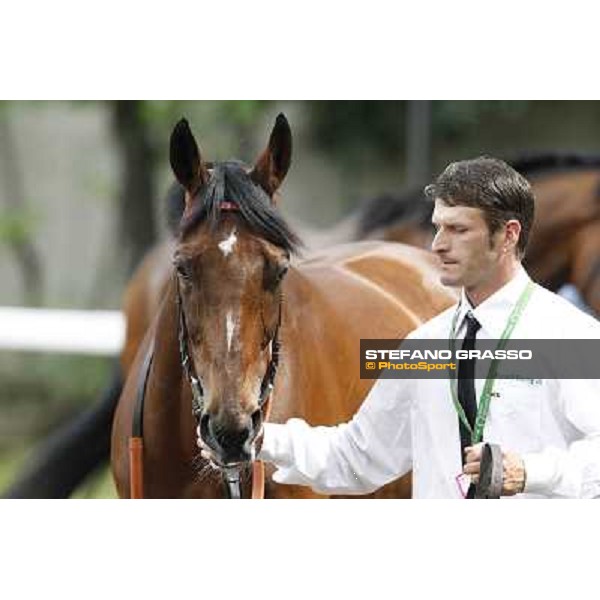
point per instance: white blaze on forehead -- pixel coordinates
(230, 328)
(226, 246)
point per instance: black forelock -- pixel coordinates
(229, 182)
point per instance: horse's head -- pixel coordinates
(232, 255)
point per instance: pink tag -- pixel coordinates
(463, 482)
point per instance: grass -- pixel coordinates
(98, 485)
(40, 392)
(10, 462)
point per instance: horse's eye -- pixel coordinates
(274, 274)
(281, 272)
(183, 269)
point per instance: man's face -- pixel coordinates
(462, 243)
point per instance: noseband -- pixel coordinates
(231, 475)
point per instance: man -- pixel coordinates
(549, 430)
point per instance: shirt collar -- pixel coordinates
(494, 311)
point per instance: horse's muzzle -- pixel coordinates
(230, 442)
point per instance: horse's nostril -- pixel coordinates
(207, 432)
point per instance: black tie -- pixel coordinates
(466, 384)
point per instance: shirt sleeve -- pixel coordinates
(573, 472)
(357, 457)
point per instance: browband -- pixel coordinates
(226, 205)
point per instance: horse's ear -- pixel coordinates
(185, 158)
(273, 164)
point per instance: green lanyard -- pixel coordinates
(486, 394)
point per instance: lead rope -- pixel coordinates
(136, 441)
(258, 466)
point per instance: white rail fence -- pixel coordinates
(95, 332)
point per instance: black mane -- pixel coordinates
(542, 162)
(229, 182)
(411, 206)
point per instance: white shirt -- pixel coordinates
(405, 424)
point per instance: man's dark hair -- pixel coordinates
(492, 186)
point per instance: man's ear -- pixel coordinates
(512, 233)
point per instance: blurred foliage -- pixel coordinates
(223, 129)
(17, 225)
(342, 127)
(161, 116)
(242, 113)
(458, 120)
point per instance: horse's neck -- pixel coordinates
(309, 384)
(169, 426)
(168, 403)
(332, 301)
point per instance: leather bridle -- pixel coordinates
(231, 475)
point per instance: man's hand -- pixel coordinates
(513, 469)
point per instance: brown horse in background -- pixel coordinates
(564, 244)
(238, 293)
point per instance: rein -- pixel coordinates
(231, 475)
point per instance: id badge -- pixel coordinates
(463, 482)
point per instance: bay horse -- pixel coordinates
(564, 244)
(233, 295)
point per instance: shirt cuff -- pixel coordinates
(277, 445)
(539, 473)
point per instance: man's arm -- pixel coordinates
(357, 457)
(574, 472)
